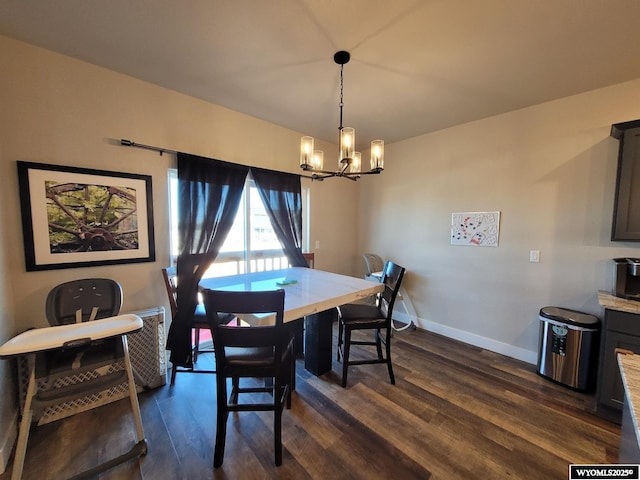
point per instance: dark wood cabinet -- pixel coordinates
(620, 330)
(626, 210)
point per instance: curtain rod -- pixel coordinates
(130, 143)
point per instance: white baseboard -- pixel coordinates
(473, 339)
(7, 442)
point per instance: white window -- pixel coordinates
(252, 244)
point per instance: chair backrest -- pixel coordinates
(310, 258)
(392, 276)
(227, 334)
(373, 263)
(170, 275)
(83, 300)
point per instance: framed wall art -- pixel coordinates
(78, 217)
(475, 229)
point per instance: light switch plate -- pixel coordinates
(534, 256)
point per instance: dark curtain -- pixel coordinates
(209, 193)
(282, 198)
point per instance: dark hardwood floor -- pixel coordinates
(456, 412)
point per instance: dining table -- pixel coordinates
(311, 296)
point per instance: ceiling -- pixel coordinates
(416, 66)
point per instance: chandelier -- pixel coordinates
(349, 161)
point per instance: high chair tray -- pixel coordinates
(49, 338)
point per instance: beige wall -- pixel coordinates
(8, 411)
(550, 170)
(61, 111)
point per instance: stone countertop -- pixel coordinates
(611, 302)
(630, 372)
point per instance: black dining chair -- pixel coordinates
(264, 351)
(361, 316)
(199, 321)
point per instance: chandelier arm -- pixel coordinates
(323, 176)
(375, 171)
(323, 172)
(320, 174)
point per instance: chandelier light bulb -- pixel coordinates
(318, 159)
(377, 155)
(306, 151)
(356, 162)
(347, 145)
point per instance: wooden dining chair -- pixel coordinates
(199, 322)
(250, 351)
(310, 257)
(361, 316)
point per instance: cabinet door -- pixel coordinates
(626, 213)
(623, 322)
(610, 388)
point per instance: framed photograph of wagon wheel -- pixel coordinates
(78, 217)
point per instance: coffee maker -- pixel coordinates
(626, 278)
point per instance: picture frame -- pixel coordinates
(78, 217)
(475, 229)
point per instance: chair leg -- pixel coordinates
(221, 422)
(174, 370)
(133, 394)
(196, 344)
(339, 349)
(277, 430)
(235, 386)
(378, 339)
(292, 380)
(392, 378)
(345, 356)
(25, 423)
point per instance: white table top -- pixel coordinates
(313, 291)
(49, 338)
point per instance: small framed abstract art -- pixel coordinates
(476, 229)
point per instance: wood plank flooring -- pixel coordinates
(456, 412)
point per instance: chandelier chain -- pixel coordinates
(341, 95)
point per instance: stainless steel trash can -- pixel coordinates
(569, 344)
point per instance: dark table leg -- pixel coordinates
(318, 340)
(297, 329)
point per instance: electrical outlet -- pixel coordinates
(317, 244)
(534, 256)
